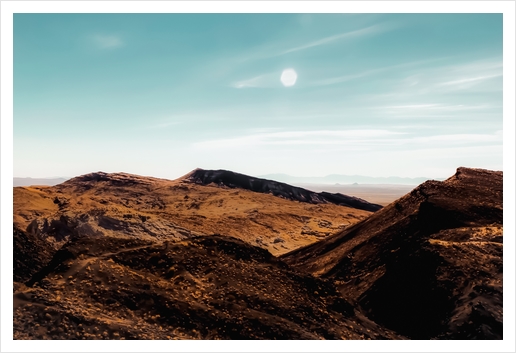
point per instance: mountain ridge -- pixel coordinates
(279, 177)
(117, 255)
(124, 204)
(236, 180)
(422, 265)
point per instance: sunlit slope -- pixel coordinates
(149, 208)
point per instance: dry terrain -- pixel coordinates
(128, 205)
(208, 287)
(219, 255)
(429, 265)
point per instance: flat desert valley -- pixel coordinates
(382, 194)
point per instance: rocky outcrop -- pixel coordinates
(30, 254)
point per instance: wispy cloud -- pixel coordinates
(164, 124)
(440, 107)
(345, 78)
(264, 80)
(430, 111)
(469, 80)
(349, 139)
(272, 79)
(317, 137)
(277, 49)
(185, 118)
(378, 28)
(409, 106)
(273, 50)
(107, 41)
(456, 139)
(438, 91)
(475, 75)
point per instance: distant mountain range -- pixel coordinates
(38, 181)
(284, 178)
(346, 179)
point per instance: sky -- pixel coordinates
(409, 95)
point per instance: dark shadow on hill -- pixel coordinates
(209, 287)
(427, 266)
(230, 179)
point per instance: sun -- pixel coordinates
(288, 77)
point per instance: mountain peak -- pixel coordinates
(114, 179)
(472, 173)
(188, 175)
(405, 258)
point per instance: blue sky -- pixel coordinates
(160, 94)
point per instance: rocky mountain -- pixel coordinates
(121, 204)
(225, 178)
(429, 265)
(120, 256)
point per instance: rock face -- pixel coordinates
(429, 265)
(30, 254)
(230, 179)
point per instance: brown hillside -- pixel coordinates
(208, 287)
(120, 256)
(428, 265)
(122, 204)
(30, 254)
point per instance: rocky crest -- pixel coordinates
(225, 178)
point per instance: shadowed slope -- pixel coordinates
(30, 254)
(235, 180)
(202, 288)
(428, 265)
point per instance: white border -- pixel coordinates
(258, 6)
(7, 10)
(509, 171)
